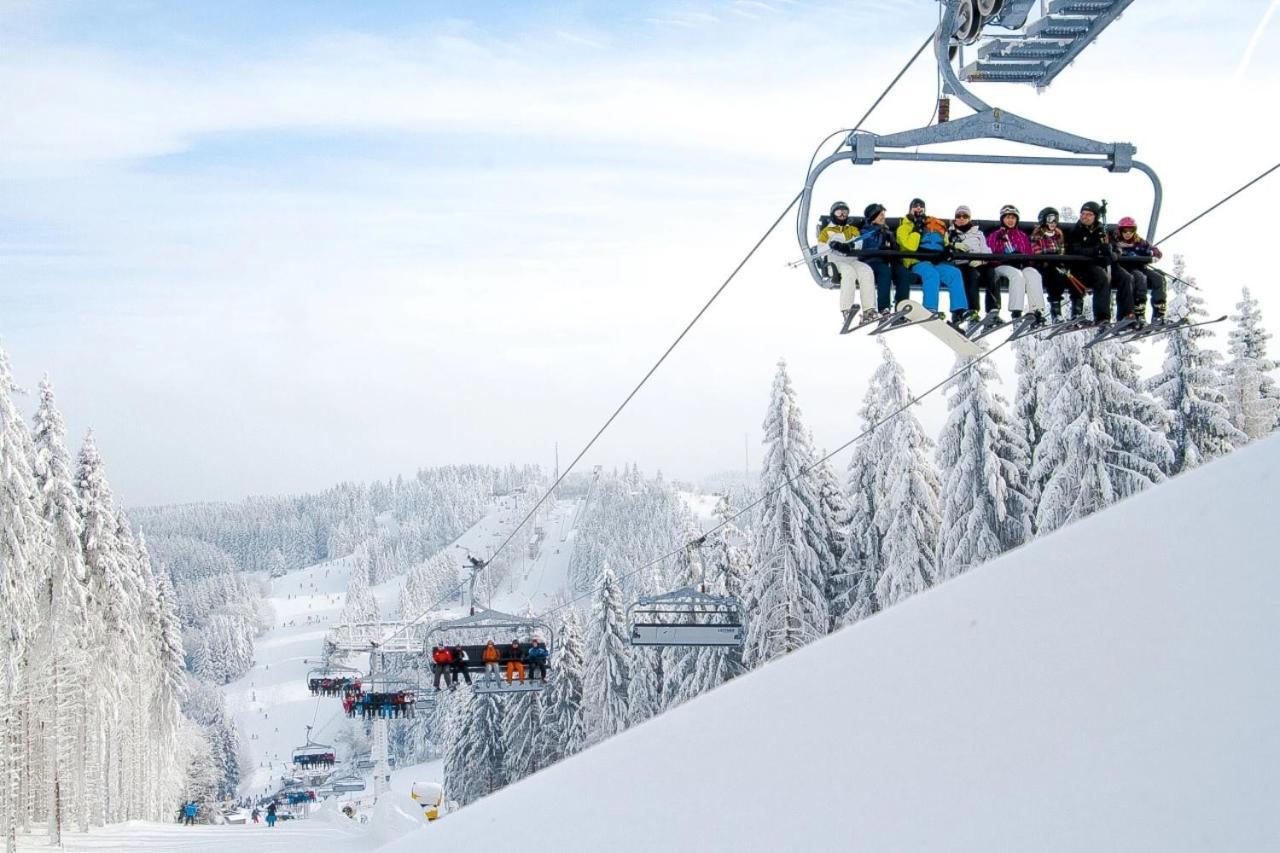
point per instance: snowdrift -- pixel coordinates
(1113, 686)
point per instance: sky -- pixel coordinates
(262, 248)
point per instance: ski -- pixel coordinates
(985, 326)
(895, 320)
(848, 329)
(1027, 324)
(911, 313)
(1156, 329)
(1066, 327)
(1114, 332)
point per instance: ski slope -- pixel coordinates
(1112, 686)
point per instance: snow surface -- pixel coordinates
(1112, 686)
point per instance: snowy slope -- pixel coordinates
(1110, 687)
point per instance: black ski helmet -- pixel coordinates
(1043, 216)
(872, 211)
(1093, 207)
(838, 206)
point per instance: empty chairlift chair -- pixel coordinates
(689, 616)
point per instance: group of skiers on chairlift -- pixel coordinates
(1029, 282)
(451, 662)
(333, 685)
(392, 703)
(326, 758)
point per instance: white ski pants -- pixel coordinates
(856, 279)
(1024, 285)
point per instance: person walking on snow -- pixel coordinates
(965, 236)
(856, 278)
(189, 812)
(271, 815)
(1144, 278)
(1025, 283)
(920, 233)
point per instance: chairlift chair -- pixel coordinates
(1035, 56)
(333, 680)
(313, 755)
(348, 784)
(689, 616)
(474, 631)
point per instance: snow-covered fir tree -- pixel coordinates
(1190, 385)
(473, 761)
(984, 462)
(361, 606)
(564, 711)
(1103, 439)
(646, 680)
(607, 665)
(522, 733)
(836, 513)
(793, 559)
(1031, 405)
(908, 516)
(1252, 395)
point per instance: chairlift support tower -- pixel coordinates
(1034, 55)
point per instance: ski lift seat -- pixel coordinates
(348, 784)
(686, 617)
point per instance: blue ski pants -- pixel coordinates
(932, 275)
(887, 273)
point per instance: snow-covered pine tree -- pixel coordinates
(521, 735)
(1252, 395)
(908, 517)
(1189, 385)
(473, 763)
(1031, 405)
(563, 711)
(25, 553)
(836, 513)
(646, 679)
(788, 589)
(861, 564)
(61, 662)
(607, 665)
(360, 606)
(984, 462)
(1102, 440)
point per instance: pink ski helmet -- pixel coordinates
(1127, 222)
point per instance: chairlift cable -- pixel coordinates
(868, 431)
(663, 357)
(1214, 207)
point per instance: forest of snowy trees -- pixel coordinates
(1084, 429)
(91, 727)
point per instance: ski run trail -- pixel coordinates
(1112, 686)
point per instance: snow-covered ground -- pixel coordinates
(1112, 686)
(1109, 687)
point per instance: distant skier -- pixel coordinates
(538, 656)
(271, 815)
(459, 664)
(189, 812)
(515, 661)
(491, 656)
(255, 815)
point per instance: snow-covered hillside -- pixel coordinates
(1109, 687)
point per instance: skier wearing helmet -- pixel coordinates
(966, 236)
(1145, 278)
(1089, 238)
(918, 232)
(876, 235)
(1047, 239)
(856, 278)
(1024, 282)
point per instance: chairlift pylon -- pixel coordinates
(689, 616)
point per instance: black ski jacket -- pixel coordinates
(1090, 240)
